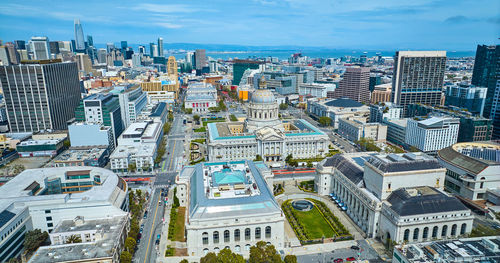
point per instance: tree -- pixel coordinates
(263, 253)
(222, 106)
(258, 158)
(309, 164)
(325, 121)
(170, 116)
(290, 259)
(74, 239)
(288, 158)
(130, 244)
(209, 258)
(227, 256)
(189, 111)
(132, 167)
(184, 261)
(283, 106)
(214, 109)
(14, 260)
(67, 143)
(196, 118)
(34, 239)
(125, 257)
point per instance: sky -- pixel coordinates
(354, 24)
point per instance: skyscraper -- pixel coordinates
(154, 50)
(124, 46)
(45, 99)
(418, 78)
(495, 111)
(90, 41)
(54, 48)
(79, 40)
(110, 47)
(239, 67)
(172, 67)
(101, 55)
(39, 48)
(355, 85)
(20, 44)
(200, 59)
(142, 49)
(160, 47)
(486, 73)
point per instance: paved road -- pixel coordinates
(172, 162)
(365, 253)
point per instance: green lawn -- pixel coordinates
(315, 224)
(211, 121)
(201, 129)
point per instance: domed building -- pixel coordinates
(263, 110)
(264, 134)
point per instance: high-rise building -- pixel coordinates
(142, 49)
(84, 64)
(418, 77)
(79, 39)
(54, 48)
(45, 99)
(486, 72)
(154, 49)
(20, 44)
(124, 46)
(101, 55)
(4, 56)
(355, 85)
(101, 109)
(495, 111)
(136, 60)
(160, 47)
(110, 47)
(90, 41)
(432, 134)
(172, 67)
(13, 55)
(200, 59)
(239, 67)
(39, 48)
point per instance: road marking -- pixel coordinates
(171, 156)
(151, 234)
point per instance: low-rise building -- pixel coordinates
(466, 96)
(200, 97)
(30, 148)
(313, 89)
(42, 198)
(381, 93)
(229, 204)
(471, 168)
(141, 156)
(337, 109)
(396, 130)
(91, 135)
(102, 240)
(467, 250)
(97, 157)
(354, 129)
(384, 111)
(432, 134)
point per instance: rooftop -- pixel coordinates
(472, 156)
(351, 165)
(404, 162)
(39, 142)
(482, 249)
(79, 154)
(423, 200)
(344, 103)
(239, 190)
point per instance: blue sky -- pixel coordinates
(369, 24)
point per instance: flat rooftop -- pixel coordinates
(79, 154)
(483, 249)
(39, 142)
(404, 162)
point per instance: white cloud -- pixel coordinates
(168, 25)
(177, 8)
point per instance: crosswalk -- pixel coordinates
(157, 186)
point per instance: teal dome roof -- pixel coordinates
(263, 96)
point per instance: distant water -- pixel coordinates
(285, 54)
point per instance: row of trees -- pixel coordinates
(220, 107)
(292, 162)
(260, 253)
(136, 201)
(325, 121)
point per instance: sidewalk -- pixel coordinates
(164, 242)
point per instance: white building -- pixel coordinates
(138, 133)
(386, 111)
(42, 198)
(362, 182)
(314, 89)
(354, 129)
(264, 134)
(337, 108)
(229, 204)
(132, 102)
(396, 130)
(472, 168)
(432, 134)
(90, 135)
(200, 97)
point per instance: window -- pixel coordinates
(237, 248)
(216, 250)
(205, 251)
(426, 233)
(444, 231)
(50, 225)
(226, 236)
(415, 233)
(204, 238)
(47, 211)
(48, 218)
(389, 186)
(463, 229)
(268, 232)
(237, 235)
(257, 233)
(247, 233)
(216, 237)
(406, 235)
(454, 229)
(247, 247)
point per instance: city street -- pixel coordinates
(172, 162)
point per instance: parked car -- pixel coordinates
(338, 260)
(354, 247)
(350, 259)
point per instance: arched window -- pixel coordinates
(406, 235)
(463, 228)
(216, 237)
(426, 233)
(226, 236)
(204, 238)
(237, 248)
(454, 230)
(247, 233)
(257, 233)
(415, 233)
(216, 250)
(260, 115)
(435, 232)
(444, 231)
(237, 235)
(268, 232)
(265, 115)
(205, 251)
(247, 247)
